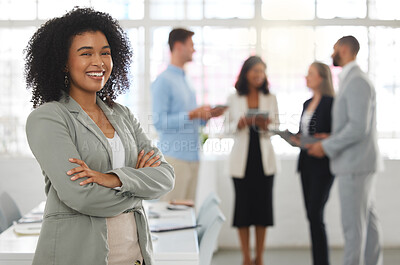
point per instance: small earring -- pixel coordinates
(66, 81)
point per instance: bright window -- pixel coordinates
(14, 98)
(288, 9)
(384, 73)
(18, 9)
(229, 9)
(288, 34)
(176, 9)
(342, 8)
(384, 9)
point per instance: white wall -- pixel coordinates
(291, 227)
(22, 178)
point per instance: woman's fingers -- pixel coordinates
(82, 170)
(145, 158)
(151, 161)
(139, 158)
(80, 175)
(87, 181)
(75, 170)
(78, 161)
(156, 164)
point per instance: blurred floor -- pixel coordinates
(294, 257)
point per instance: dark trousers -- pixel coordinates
(316, 187)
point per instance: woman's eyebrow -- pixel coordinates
(85, 48)
(90, 48)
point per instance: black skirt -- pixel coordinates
(253, 193)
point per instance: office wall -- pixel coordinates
(22, 178)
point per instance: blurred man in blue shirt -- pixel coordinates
(177, 117)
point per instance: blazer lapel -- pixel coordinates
(315, 116)
(262, 102)
(243, 104)
(119, 126)
(86, 121)
(347, 79)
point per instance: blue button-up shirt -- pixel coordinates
(173, 99)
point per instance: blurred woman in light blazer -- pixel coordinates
(97, 161)
(252, 159)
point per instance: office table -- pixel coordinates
(170, 248)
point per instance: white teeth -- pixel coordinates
(95, 74)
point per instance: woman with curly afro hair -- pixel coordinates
(97, 161)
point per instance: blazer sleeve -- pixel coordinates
(145, 183)
(274, 117)
(231, 121)
(51, 143)
(359, 110)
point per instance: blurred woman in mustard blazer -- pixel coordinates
(252, 159)
(316, 177)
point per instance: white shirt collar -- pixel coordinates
(346, 69)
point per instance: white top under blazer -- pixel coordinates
(122, 235)
(237, 107)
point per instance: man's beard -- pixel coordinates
(336, 60)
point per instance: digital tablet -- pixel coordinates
(255, 112)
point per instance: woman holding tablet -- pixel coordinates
(316, 177)
(252, 159)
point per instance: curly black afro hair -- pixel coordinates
(47, 53)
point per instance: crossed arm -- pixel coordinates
(51, 143)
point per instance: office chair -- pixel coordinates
(209, 236)
(211, 199)
(9, 211)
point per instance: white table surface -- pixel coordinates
(170, 248)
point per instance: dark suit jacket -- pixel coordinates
(321, 122)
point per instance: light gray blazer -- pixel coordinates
(352, 146)
(74, 229)
(237, 108)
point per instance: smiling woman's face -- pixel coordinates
(256, 75)
(89, 62)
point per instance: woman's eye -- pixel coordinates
(106, 53)
(85, 54)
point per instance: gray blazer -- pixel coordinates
(352, 147)
(74, 229)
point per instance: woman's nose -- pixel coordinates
(97, 60)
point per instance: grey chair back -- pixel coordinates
(9, 211)
(211, 199)
(208, 237)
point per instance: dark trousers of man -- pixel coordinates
(316, 187)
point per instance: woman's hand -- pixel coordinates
(321, 135)
(295, 140)
(145, 161)
(243, 122)
(106, 180)
(261, 122)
